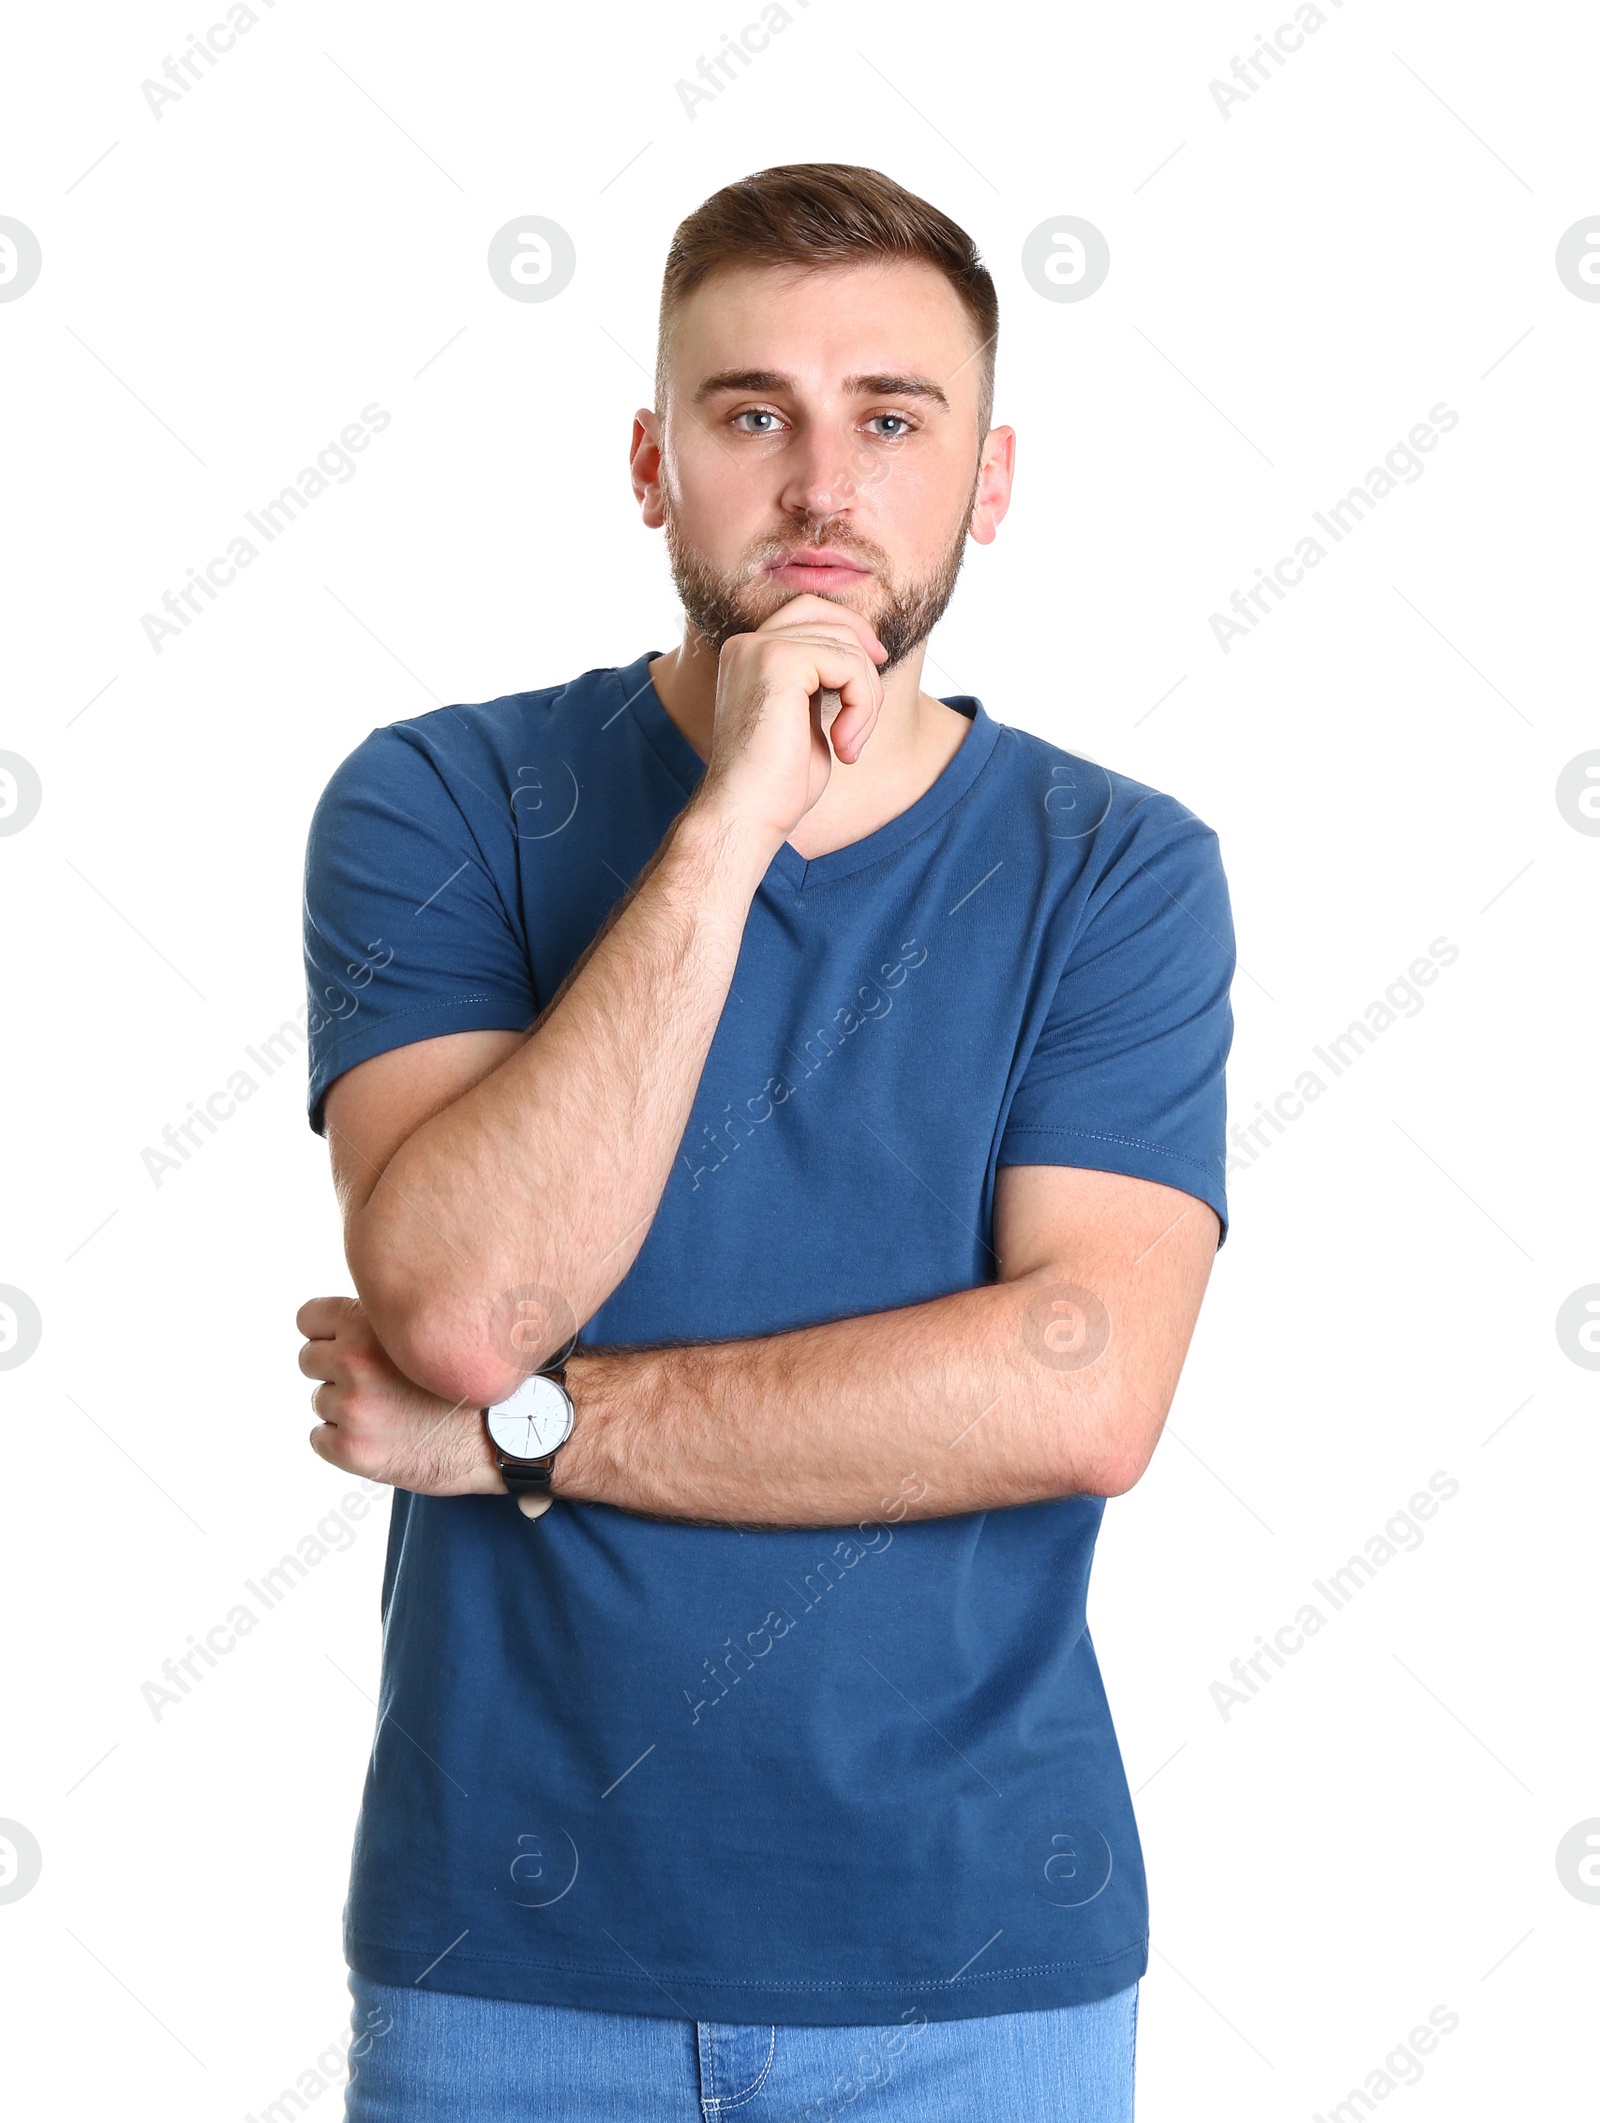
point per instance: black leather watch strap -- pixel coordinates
(526, 1477)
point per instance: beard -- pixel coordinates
(722, 602)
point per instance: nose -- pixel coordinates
(817, 480)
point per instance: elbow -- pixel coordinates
(1125, 1441)
(466, 1372)
(443, 1354)
(1117, 1473)
(447, 1336)
(431, 1344)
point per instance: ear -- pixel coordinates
(996, 466)
(644, 463)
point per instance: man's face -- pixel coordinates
(820, 433)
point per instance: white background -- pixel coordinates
(1370, 234)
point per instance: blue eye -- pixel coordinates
(904, 424)
(756, 413)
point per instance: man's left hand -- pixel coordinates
(377, 1422)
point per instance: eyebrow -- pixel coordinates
(774, 382)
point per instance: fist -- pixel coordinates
(771, 753)
(374, 1421)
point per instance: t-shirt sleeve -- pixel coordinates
(1127, 1072)
(409, 932)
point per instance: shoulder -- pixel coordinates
(474, 752)
(1094, 818)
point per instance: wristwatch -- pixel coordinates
(528, 1428)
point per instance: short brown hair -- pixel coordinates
(820, 214)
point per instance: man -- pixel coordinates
(849, 1078)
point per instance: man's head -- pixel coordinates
(824, 382)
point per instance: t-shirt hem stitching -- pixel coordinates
(778, 1986)
(434, 1009)
(1129, 1142)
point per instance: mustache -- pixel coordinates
(782, 546)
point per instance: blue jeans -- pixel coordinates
(425, 2056)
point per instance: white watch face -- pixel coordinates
(532, 1421)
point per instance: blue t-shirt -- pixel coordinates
(833, 1775)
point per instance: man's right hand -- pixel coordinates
(771, 754)
(474, 1163)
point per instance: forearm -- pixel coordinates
(929, 1410)
(549, 1170)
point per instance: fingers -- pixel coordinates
(858, 702)
(320, 1318)
(852, 726)
(820, 623)
(331, 1444)
(832, 660)
(830, 721)
(321, 1359)
(341, 1347)
(810, 609)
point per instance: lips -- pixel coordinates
(821, 557)
(819, 568)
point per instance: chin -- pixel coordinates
(774, 597)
